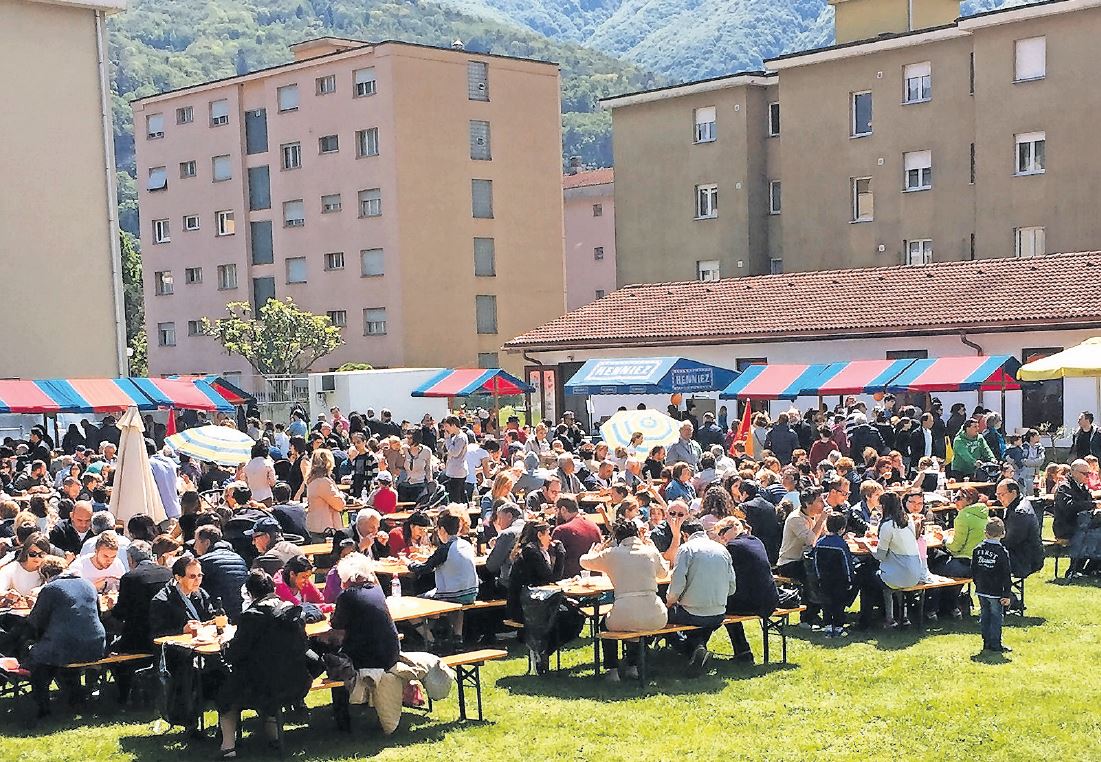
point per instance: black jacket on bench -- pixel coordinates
(756, 589)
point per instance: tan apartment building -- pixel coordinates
(588, 198)
(962, 138)
(59, 239)
(411, 193)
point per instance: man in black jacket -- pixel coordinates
(1022, 530)
(224, 571)
(130, 616)
(864, 435)
(925, 442)
(756, 593)
(1087, 440)
(761, 517)
(69, 534)
(1072, 497)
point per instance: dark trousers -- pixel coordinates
(947, 599)
(833, 607)
(797, 570)
(689, 641)
(456, 489)
(610, 649)
(410, 493)
(41, 677)
(990, 621)
(736, 632)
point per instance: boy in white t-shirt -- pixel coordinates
(102, 568)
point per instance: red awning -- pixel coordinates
(466, 381)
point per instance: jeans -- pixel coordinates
(689, 641)
(990, 621)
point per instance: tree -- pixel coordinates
(133, 302)
(284, 340)
(355, 366)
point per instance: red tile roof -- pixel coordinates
(1058, 290)
(588, 177)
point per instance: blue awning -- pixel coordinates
(648, 375)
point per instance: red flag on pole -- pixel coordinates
(170, 429)
(745, 432)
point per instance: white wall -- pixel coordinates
(377, 389)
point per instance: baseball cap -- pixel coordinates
(385, 476)
(266, 525)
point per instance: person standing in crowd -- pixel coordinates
(1087, 438)
(710, 433)
(782, 440)
(418, 469)
(260, 474)
(456, 444)
(685, 449)
(324, 501)
(993, 436)
(164, 476)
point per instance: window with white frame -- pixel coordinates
(370, 202)
(598, 253)
(861, 108)
(221, 169)
(166, 334)
(188, 169)
(918, 79)
(294, 213)
(154, 126)
(364, 80)
(1030, 59)
(775, 266)
(339, 318)
(334, 260)
(863, 202)
(1030, 242)
(219, 112)
(485, 258)
(158, 179)
(193, 276)
(707, 201)
(191, 222)
(328, 144)
(367, 142)
(477, 81)
(162, 282)
(194, 327)
(326, 84)
(707, 269)
(481, 198)
(374, 321)
(296, 269)
(161, 232)
(919, 170)
(224, 222)
(773, 119)
(372, 263)
(292, 155)
(919, 252)
(185, 115)
(773, 196)
(1031, 147)
(479, 140)
(485, 312)
(331, 203)
(287, 97)
(227, 277)
(705, 124)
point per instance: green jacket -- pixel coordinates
(970, 530)
(967, 452)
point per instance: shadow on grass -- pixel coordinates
(990, 657)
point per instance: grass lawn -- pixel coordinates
(874, 695)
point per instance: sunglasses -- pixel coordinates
(35, 554)
(194, 576)
(674, 515)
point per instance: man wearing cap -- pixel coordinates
(385, 498)
(164, 475)
(710, 433)
(274, 550)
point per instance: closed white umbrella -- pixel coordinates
(657, 429)
(134, 492)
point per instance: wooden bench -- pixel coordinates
(108, 661)
(922, 589)
(484, 605)
(1057, 549)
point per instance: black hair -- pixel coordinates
(179, 566)
(241, 494)
(449, 523)
(691, 526)
(808, 495)
(260, 450)
(624, 529)
(749, 488)
(893, 510)
(141, 527)
(259, 584)
(294, 566)
(835, 522)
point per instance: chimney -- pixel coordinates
(574, 165)
(457, 44)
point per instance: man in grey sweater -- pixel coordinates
(455, 466)
(498, 564)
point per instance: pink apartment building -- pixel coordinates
(411, 193)
(590, 235)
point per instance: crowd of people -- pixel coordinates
(839, 501)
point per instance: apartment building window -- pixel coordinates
(485, 258)
(188, 169)
(261, 248)
(221, 169)
(219, 112)
(972, 175)
(861, 114)
(287, 97)
(707, 202)
(370, 202)
(488, 360)
(193, 276)
(863, 202)
(598, 210)
(1030, 242)
(364, 80)
(334, 260)
(707, 269)
(158, 179)
(154, 126)
(775, 266)
(224, 222)
(773, 119)
(919, 82)
(326, 84)
(372, 263)
(367, 142)
(919, 170)
(919, 252)
(600, 293)
(227, 277)
(328, 144)
(185, 115)
(194, 327)
(374, 321)
(971, 73)
(296, 269)
(477, 81)
(479, 140)
(166, 334)
(705, 124)
(191, 222)
(331, 203)
(162, 282)
(339, 318)
(292, 155)
(485, 312)
(294, 213)
(598, 253)
(161, 232)
(1030, 59)
(773, 196)
(1031, 147)
(481, 198)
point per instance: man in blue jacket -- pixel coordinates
(224, 571)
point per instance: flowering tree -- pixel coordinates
(284, 340)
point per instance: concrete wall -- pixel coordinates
(864, 19)
(377, 389)
(584, 232)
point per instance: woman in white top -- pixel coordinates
(21, 574)
(897, 553)
(260, 474)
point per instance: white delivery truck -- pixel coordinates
(376, 389)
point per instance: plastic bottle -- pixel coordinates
(395, 586)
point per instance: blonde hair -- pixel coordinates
(502, 485)
(321, 465)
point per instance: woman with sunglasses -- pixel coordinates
(181, 605)
(21, 575)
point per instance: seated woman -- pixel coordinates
(412, 535)
(634, 566)
(294, 582)
(181, 605)
(269, 666)
(361, 620)
(899, 561)
(717, 505)
(342, 549)
(680, 484)
(20, 576)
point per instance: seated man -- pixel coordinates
(102, 567)
(267, 538)
(130, 616)
(509, 523)
(756, 593)
(291, 516)
(546, 496)
(1072, 497)
(702, 581)
(223, 570)
(577, 533)
(1022, 530)
(69, 534)
(103, 521)
(453, 564)
(761, 517)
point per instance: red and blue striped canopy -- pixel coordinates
(774, 382)
(959, 374)
(466, 381)
(857, 377)
(231, 393)
(105, 395)
(193, 394)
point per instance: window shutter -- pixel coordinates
(919, 160)
(705, 115)
(1031, 58)
(924, 69)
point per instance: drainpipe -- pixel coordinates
(121, 359)
(968, 343)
